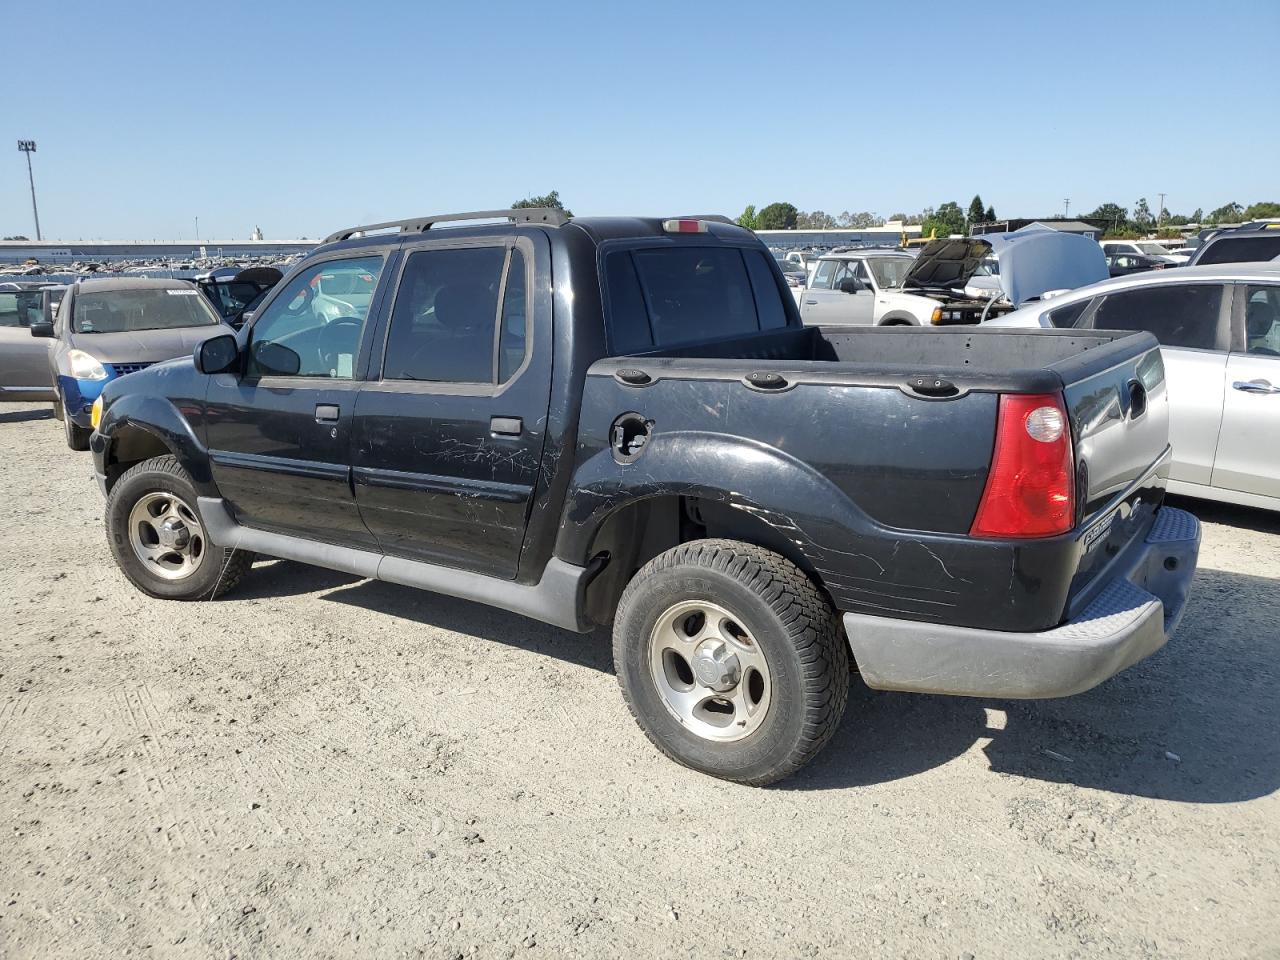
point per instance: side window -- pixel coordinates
(1262, 321)
(513, 338)
(9, 310)
(768, 302)
(313, 328)
(822, 277)
(1180, 314)
(1069, 315)
(446, 312)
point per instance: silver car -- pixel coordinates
(1219, 328)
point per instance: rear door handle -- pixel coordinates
(506, 426)
(327, 413)
(1255, 386)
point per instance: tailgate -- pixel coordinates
(1119, 410)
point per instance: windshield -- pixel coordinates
(1153, 250)
(118, 311)
(889, 271)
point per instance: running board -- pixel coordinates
(558, 598)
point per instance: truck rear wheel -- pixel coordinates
(158, 540)
(730, 660)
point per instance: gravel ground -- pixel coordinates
(322, 766)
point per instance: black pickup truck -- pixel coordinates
(623, 421)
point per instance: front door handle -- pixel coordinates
(327, 413)
(1255, 386)
(811, 302)
(506, 426)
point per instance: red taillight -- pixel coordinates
(1031, 487)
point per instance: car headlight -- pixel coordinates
(85, 367)
(95, 412)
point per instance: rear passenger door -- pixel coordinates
(449, 429)
(1248, 457)
(1192, 321)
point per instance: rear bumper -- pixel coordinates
(1130, 619)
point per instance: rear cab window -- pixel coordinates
(665, 296)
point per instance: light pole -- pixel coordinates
(1159, 211)
(1066, 207)
(29, 147)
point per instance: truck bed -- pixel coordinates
(894, 430)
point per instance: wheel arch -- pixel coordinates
(138, 428)
(690, 487)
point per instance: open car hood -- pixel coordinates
(1031, 261)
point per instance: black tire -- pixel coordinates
(796, 631)
(77, 437)
(219, 569)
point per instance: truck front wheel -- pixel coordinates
(157, 538)
(731, 660)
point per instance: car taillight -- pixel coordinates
(1031, 487)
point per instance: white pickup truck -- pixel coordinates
(960, 280)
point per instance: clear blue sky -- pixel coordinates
(304, 117)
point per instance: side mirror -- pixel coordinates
(851, 285)
(42, 328)
(274, 359)
(217, 354)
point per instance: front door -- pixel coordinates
(24, 359)
(823, 302)
(1248, 457)
(449, 430)
(279, 436)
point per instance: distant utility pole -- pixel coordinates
(29, 147)
(197, 229)
(1159, 210)
(1066, 207)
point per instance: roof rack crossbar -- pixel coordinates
(547, 215)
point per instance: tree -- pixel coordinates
(551, 200)
(1114, 214)
(19, 237)
(990, 215)
(900, 217)
(748, 218)
(977, 212)
(1142, 218)
(817, 220)
(1261, 211)
(947, 219)
(1227, 213)
(777, 216)
(1197, 215)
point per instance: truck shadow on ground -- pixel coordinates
(281, 578)
(25, 416)
(1196, 722)
(1210, 698)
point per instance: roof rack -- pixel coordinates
(548, 215)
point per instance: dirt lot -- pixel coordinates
(322, 766)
